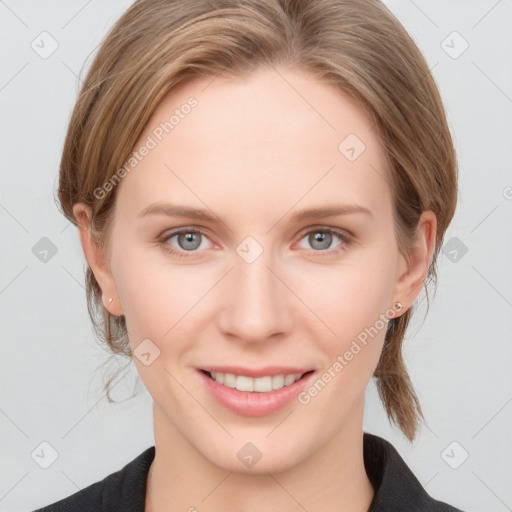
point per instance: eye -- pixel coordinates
(321, 239)
(187, 240)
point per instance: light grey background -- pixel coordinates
(459, 357)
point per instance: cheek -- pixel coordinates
(158, 301)
(154, 295)
(353, 301)
(353, 295)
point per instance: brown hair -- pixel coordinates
(356, 45)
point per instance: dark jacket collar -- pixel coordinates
(395, 486)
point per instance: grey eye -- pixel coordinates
(189, 241)
(320, 240)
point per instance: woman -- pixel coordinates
(261, 190)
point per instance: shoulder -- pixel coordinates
(395, 485)
(123, 490)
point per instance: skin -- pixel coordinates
(254, 151)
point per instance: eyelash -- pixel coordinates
(163, 240)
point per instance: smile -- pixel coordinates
(254, 396)
(260, 384)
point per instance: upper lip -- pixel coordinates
(257, 372)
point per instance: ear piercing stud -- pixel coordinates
(397, 307)
(109, 300)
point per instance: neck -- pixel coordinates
(331, 479)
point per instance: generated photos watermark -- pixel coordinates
(341, 361)
(151, 142)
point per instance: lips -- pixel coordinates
(248, 401)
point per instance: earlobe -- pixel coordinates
(414, 270)
(96, 259)
(106, 302)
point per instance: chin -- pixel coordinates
(256, 457)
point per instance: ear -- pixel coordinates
(97, 259)
(412, 273)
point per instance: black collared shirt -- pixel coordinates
(395, 486)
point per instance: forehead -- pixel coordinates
(274, 135)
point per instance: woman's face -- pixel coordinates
(256, 285)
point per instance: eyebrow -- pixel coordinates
(176, 210)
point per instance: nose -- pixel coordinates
(255, 304)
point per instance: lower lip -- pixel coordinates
(254, 403)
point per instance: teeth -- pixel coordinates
(261, 384)
(289, 379)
